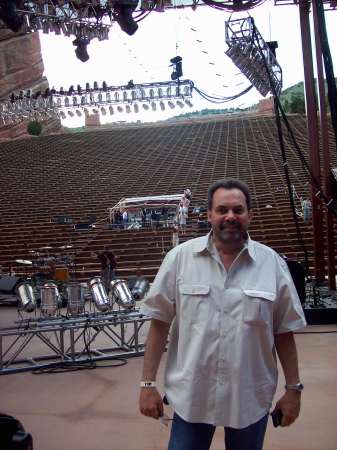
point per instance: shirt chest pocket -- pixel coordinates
(194, 301)
(258, 307)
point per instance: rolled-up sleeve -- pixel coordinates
(160, 301)
(288, 311)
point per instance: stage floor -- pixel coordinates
(98, 409)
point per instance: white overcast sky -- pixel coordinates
(198, 36)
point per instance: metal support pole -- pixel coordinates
(325, 148)
(313, 139)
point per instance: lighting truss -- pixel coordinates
(90, 19)
(71, 340)
(253, 56)
(55, 103)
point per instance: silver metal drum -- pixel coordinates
(75, 295)
(140, 288)
(50, 300)
(26, 297)
(99, 295)
(121, 294)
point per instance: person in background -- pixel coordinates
(125, 219)
(175, 235)
(108, 266)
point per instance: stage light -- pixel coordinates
(79, 112)
(140, 288)
(160, 92)
(116, 96)
(171, 104)
(124, 10)
(125, 96)
(103, 111)
(111, 110)
(99, 295)
(74, 101)
(121, 294)
(70, 113)
(104, 86)
(162, 105)
(187, 90)
(180, 104)
(127, 109)
(136, 107)
(81, 48)
(119, 109)
(154, 106)
(87, 87)
(178, 69)
(188, 103)
(9, 16)
(146, 106)
(26, 297)
(50, 299)
(75, 294)
(151, 92)
(66, 101)
(95, 86)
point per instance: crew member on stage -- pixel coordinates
(108, 266)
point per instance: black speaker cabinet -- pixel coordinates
(297, 272)
(8, 284)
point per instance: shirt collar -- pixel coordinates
(205, 243)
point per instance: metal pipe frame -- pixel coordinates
(313, 139)
(70, 340)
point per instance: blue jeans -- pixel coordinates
(198, 436)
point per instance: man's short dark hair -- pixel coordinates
(228, 183)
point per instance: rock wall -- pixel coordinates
(21, 68)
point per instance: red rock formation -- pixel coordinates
(21, 68)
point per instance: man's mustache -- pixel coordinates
(230, 226)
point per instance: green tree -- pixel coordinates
(297, 104)
(34, 128)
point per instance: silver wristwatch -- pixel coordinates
(294, 387)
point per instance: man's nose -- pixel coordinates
(230, 215)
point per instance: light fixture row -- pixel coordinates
(26, 105)
(253, 56)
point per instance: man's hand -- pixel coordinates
(290, 405)
(151, 403)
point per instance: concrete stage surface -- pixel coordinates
(98, 409)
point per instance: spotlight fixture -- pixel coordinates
(26, 297)
(124, 10)
(81, 48)
(177, 67)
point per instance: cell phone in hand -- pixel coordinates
(277, 417)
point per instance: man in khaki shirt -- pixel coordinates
(230, 304)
